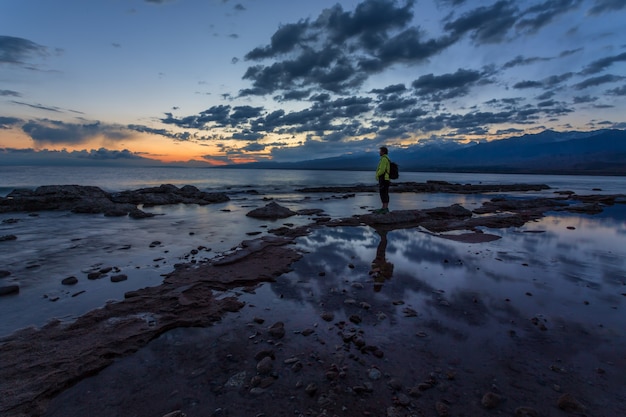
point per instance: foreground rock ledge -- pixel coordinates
(37, 364)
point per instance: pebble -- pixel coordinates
(491, 400)
(442, 409)
(525, 412)
(265, 365)
(328, 316)
(277, 330)
(374, 374)
(311, 389)
(567, 402)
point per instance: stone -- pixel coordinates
(119, 278)
(326, 316)
(271, 211)
(525, 412)
(69, 280)
(277, 330)
(567, 402)
(9, 290)
(490, 400)
(311, 389)
(265, 365)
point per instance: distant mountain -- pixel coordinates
(600, 152)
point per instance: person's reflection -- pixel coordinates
(381, 269)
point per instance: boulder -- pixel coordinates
(271, 211)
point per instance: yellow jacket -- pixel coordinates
(383, 167)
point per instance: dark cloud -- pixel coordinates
(549, 82)
(540, 15)
(604, 6)
(53, 132)
(39, 106)
(17, 50)
(595, 81)
(340, 49)
(94, 157)
(9, 122)
(619, 91)
(160, 132)
(520, 60)
(446, 85)
(601, 64)
(9, 93)
(486, 24)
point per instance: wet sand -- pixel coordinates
(302, 325)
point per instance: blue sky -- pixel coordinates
(226, 81)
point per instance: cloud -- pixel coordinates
(601, 64)
(9, 93)
(340, 49)
(94, 157)
(619, 91)
(447, 85)
(485, 24)
(540, 15)
(17, 50)
(323, 63)
(9, 122)
(54, 132)
(595, 81)
(604, 6)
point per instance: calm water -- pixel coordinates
(118, 179)
(568, 259)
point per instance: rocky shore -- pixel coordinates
(335, 366)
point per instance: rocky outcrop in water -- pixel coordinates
(93, 200)
(433, 187)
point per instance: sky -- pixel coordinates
(233, 81)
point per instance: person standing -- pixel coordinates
(382, 176)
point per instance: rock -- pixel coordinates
(490, 400)
(94, 275)
(311, 389)
(374, 374)
(277, 330)
(69, 280)
(9, 290)
(265, 365)
(4, 274)
(271, 211)
(92, 200)
(567, 402)
(7, 238)
(236, 381)
(525, 412)
(442, 409)
(326, 316)
(356, 319)
(119, 278)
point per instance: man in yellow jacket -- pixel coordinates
(382, 176)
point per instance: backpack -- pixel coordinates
(393, 171)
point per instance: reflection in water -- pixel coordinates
(564, 267)
(382, 269)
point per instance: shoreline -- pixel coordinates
(187, 298)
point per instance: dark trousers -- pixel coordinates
(383, 186)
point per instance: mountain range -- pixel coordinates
(599, 152)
